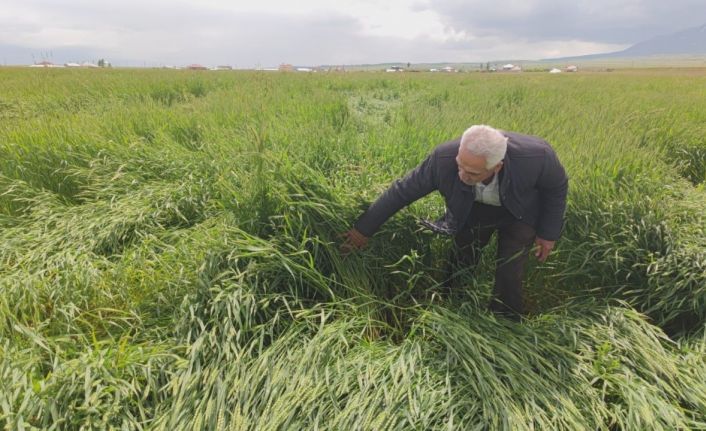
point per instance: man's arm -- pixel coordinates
(418, 183)
(553, 186)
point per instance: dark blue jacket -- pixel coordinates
(533, 188)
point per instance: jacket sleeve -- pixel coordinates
(418, 183)
(553, 186)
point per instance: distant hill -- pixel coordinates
(691, 41)
(686, 42)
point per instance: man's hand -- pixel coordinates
(352, 240)
(544, 247)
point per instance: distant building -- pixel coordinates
(448, 69)
(555, 70)
(305, 69)
(225, 67)
(394, 69)
(572, 68)
(72, 65)
(196, 67)
(511, 68)
(285, 67)
(45, 64)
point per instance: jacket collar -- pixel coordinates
(463, 186)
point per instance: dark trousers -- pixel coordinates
(515, 239)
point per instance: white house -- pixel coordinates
(45, 64)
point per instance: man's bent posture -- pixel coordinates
(491, 180)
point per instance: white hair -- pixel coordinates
(484, 141)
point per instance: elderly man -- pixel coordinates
(491, 180)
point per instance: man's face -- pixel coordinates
(471, 168)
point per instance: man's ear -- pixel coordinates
(498, 167)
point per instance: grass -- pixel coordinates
(168, 255)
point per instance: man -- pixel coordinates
(491, 180)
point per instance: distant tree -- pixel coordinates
(101, 63)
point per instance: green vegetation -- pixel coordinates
(169, 261)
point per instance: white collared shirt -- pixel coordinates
(488, 194)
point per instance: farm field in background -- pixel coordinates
(169, 254)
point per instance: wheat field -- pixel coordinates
(169, 254)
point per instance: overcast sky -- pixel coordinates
(312, 32)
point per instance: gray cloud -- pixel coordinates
(158, 32)
(268, 39)
(183, 34)
(602, 21)
(129, 15)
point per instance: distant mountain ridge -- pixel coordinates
(691, 41)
